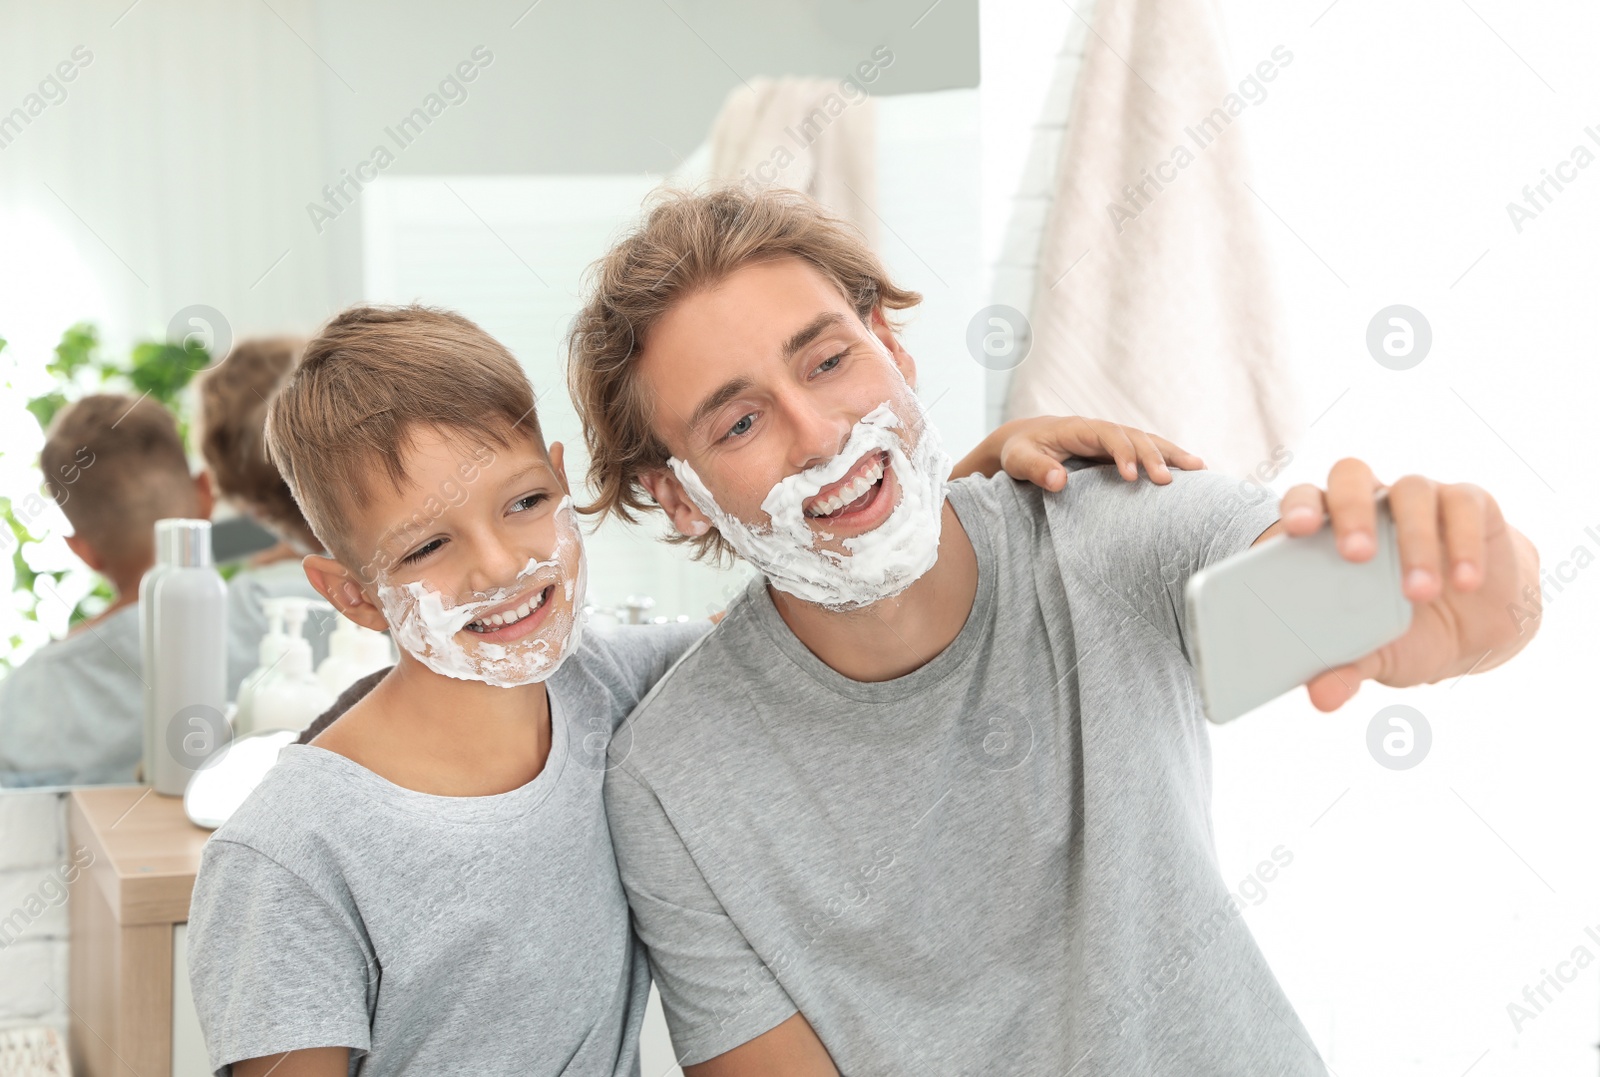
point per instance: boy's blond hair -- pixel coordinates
(115, 464)
(688, 242)
(233, 397)
(364, 385)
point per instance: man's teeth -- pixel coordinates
(863, 482)
(511, 617)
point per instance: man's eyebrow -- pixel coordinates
(727, 391)
(814, 329)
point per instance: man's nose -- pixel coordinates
(819, 434)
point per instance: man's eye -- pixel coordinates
(422, 551)
(742, 427)
(523, 504)
(829, 364)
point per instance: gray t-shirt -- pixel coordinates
(434, 934)
(1002, 862)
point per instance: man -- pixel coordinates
(934, 797)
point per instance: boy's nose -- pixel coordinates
(496, 564)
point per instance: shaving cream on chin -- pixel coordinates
(429, 630)
(875, 566)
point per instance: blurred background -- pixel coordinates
(1369, 242)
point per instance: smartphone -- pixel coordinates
(1265, 621)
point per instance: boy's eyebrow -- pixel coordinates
(731, 389)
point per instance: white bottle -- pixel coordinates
(290, 696)
(189, 675)
(353, 652)
(164, 557)
(270, 650)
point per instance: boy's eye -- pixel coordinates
(523, 504)
(742, 427)
(421, 551)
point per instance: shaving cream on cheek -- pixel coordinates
(877, 565)
(433, 631)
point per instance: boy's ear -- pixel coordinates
(204, 495)
(86, 553)
(897, 353)
(334, 582)
(663, 485)
(558, 464)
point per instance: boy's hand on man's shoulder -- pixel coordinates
(1032, 450)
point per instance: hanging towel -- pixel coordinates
(1154, 306)
(814, 135)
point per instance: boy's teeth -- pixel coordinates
(511, 617)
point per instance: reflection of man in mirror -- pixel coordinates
(73, 712)
(935, 795)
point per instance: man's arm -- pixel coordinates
(315, 1062)
(790, 1050)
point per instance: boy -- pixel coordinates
(428, 885)
(71, 714)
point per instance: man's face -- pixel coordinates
(765, 375)
(477, 568)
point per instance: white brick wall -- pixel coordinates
(33, 911)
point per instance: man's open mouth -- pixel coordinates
(851, 493)
(510, 615)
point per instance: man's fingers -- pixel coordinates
(1465, 509)
(1414, 502)
(1351, 508)
(1302, 509)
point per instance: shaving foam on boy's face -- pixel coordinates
(472, 637)
(793, 548)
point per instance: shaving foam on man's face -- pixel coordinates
(514, 634)
(886, 457)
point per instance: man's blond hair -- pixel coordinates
(690, 241)
(233, 399)
(366, 383)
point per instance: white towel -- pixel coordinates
(813, 135)
(1171, 324)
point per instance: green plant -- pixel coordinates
(159, 370)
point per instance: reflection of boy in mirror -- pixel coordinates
(72, 712)
(232, 398)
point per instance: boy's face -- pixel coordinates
(794, 431)
(476, 564)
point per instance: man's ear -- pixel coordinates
(86, 553)
(335, 583)
(663, 485)
(204, 496)
(886, 336)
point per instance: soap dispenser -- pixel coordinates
(290, 696)
(353, 652)
(270, 650)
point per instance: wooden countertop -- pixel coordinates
(144, 851)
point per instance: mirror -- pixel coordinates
(218, 788)
(257, 169)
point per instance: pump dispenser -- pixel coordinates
(270, 650)
(289, 695)
(165, 556)
(353, 652)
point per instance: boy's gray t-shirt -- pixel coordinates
(1002, 862)
(434, 934)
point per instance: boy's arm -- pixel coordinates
(316, 1062)
(1031, 450)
